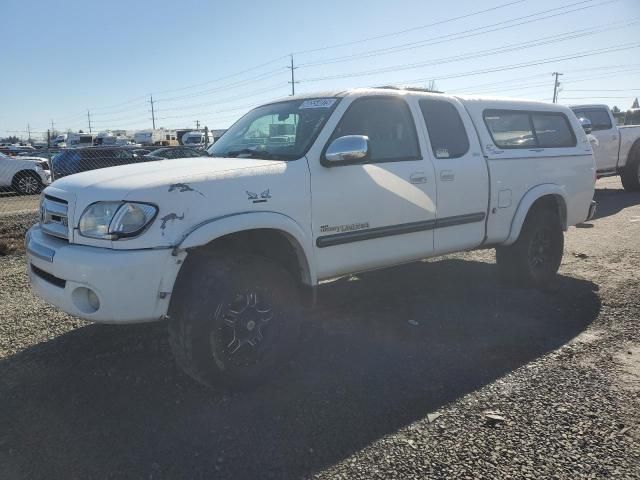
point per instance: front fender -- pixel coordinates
(209, 230)
(528, 200)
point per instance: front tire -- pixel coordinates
(27, 183)
(233, 319)
(534, 259)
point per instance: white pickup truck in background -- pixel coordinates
(228, 248)
(617, 150)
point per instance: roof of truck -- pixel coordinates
(402, 91)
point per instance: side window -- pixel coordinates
(446, 131)
(599, 118)
(510, 129)
(388, 123)
(553, 130)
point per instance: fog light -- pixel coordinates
(85, 300)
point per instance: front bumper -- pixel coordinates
(130, 285)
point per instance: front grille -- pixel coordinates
(54, 217)
(46, 276)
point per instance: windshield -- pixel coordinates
(279, 131)
(193, 140)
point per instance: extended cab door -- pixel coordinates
(378, 213)
(462, 176)
(606, 132)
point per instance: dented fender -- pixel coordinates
(209, 230)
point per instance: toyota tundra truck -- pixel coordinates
(230, 248)
(617, 149)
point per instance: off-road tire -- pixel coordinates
(631, 173)
(26, 183)
(534, 259)
(210, 287)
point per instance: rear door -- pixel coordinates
(462, 177)
(606, 132)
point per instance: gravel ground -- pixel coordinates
(430, 370)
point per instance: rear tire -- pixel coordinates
(534, 259)
(27, 183)
(631, 173)
(233, 319)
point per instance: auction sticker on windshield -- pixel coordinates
(318, 103)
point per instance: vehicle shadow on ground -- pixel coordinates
(384, 349)
(612, 200)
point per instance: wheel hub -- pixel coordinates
(246, 318)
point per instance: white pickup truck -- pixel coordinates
(230, 248)
(616, 149)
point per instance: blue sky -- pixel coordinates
(66, 57)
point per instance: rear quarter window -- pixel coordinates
(529, 129)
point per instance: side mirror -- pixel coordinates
(586, 125)
(346, 150)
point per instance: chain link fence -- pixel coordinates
(25, 172)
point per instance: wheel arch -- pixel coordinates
(272, 234)
(546, 195)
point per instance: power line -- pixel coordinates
(400, 32)
(462, 34)
(439, 61)
(525, 64)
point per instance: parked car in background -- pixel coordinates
(176, 152)
(76, 160)
(60, 141)
(26, 176)
(617, 151)
(197, 139)
(632, 117)
(229, 248)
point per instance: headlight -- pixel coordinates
(114, 220)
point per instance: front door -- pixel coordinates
(377, 213)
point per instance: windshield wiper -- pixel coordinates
(251, 152)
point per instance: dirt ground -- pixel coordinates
(430, 370)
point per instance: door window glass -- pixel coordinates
(388, 124)
(599, 118)
(446, 131)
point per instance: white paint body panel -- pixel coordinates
(200, 199)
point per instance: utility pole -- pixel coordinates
(52, 127)
(48, 138)
(293, 77)
(556, 84)
(153, 114)
(197, 124)
(89, 118)
(29, 133)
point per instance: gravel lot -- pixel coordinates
(394, 379)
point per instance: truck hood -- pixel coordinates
(126, 178)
